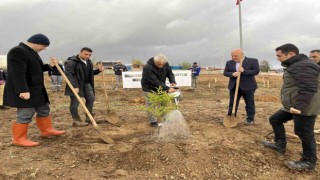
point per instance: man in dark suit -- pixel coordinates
(248, 84)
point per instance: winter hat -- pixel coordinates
(39, 39)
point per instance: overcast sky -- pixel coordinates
(185, 30)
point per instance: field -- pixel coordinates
(213, 152)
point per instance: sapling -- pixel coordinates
(160, 104)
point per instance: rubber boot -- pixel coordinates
(19, 135)
(45, 126)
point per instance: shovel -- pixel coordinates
(232, 120)
(102, 135)
(111, 116)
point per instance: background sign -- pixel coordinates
(133, 79)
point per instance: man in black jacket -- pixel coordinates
(24, 89)
(248, 84)
(154, 76)
(3, 77)
(300, 97)
(56, 77)
(118, 69)
(80, 72)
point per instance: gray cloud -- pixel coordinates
(184, 30)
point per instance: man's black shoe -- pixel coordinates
(301, 165)
(248, 123)
(274, 146)
(154, 124)
(4, 107)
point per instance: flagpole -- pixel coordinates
(240, 25)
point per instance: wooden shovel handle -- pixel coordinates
(76, 94)
(104, 89)
(236, 90)
(290, 134)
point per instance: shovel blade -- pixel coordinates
(230, 121)
(112, 117)
(104, 136)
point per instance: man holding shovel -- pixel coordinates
(154, 76)
(25, 89)
(80, 72)
(300, 97)
(248, 84)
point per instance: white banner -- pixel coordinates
(132, 79)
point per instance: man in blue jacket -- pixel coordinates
(195, 71)
(248, 84)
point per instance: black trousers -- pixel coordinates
(88, 95)
(303, 127)
(248, 96)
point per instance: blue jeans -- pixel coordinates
(88, 95)
(118, 80)
(303, 127)
(56, 82)
(25, 115)
(248, 96)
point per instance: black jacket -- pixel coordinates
(25, 74)
(301, 86)
(75, 73)
(247, 80)
(54, 71)
(3, 75)
(117, 69)
(153, 77)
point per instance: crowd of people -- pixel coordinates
(24, 90)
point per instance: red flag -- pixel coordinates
(238, 1)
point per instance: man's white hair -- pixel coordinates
(160, 58)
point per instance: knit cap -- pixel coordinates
(39, 39)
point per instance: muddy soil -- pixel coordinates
(213, 152)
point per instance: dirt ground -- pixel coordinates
(213, 152)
